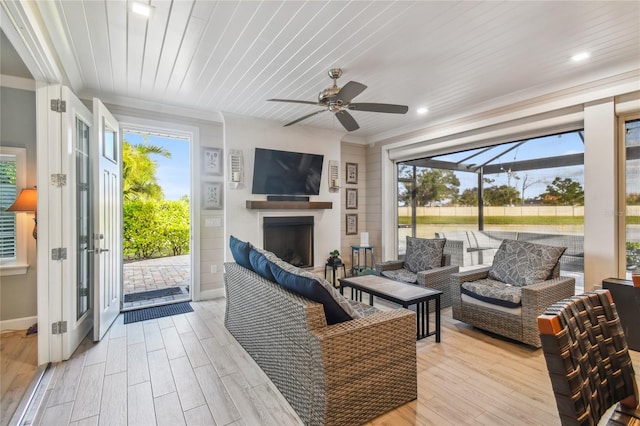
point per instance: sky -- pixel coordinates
(548, 146)
(172, 174)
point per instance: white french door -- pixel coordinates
(83, 234)
(107, 166)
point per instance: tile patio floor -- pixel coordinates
(156, 274)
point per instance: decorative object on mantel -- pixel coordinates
(352, 172)
(236, 169)
(334, 176)
(27, 201)
(352, 198)
(352, 224)
(212, 161)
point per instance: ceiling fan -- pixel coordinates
(338, 101)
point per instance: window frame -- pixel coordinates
(621, 213)
(18, 265)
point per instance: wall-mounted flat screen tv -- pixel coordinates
(286, 173)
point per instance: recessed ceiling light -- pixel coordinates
(141, 9)
(422, 110)
(580, 56)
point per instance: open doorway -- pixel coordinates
(156, 218)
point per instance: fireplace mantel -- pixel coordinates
(288, 205)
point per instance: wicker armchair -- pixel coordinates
(514, 323)
(588, 361)
(436, 278)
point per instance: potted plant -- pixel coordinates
(334, 258)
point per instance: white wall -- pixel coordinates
(246, 134)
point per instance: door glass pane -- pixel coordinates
(83, 206)
(632, 196)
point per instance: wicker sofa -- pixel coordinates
(341, 374)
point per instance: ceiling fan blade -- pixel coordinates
(347, 120)
(304, 117)
(390, 108)
(350, 91)
(294, 101)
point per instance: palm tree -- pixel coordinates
(139, 172)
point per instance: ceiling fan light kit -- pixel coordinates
(338, 101)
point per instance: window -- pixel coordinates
(13, 226)
(632, 196)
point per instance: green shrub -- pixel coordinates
(155, 228)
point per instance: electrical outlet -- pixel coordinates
(214, 269)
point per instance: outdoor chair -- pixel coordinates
(424, 264)
(588, 361)
(507, 297)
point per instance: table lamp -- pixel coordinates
(27, 201)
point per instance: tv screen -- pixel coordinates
(286, 173)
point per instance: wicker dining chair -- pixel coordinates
(588, 360)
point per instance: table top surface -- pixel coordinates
(382, 286)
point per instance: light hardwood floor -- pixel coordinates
(18, 361)
(187, 369)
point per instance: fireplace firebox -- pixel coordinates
(290, 238)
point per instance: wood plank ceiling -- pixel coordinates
(454, 58)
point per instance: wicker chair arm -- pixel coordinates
(536, 298)
(436, 275)
(467, 276)
(389, 265)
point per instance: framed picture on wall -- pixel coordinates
(352, 198)
(212, 195)
(212, 161)
(352, 172)
(352, 224)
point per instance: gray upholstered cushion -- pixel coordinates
(401, 274)
(423, 254)
(362, 308)
(522, 263)
(493, 291)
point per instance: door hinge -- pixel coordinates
(59, 253)
(58, 179)
(59, 327)
(58, 105)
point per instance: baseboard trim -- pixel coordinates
(215, 293)
(18, 323)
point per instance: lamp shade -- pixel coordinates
(27, 201)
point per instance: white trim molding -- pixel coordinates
(18, 323)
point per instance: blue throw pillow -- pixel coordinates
(240, 251)
(260, 264)
(312, 290)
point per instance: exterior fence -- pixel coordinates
(506, 211)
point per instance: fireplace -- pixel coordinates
(290, 238)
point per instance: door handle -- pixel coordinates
(102, 250)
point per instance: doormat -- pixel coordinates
(157, 312)
(145, 295)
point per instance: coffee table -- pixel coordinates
(400, 293)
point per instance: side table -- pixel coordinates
(362, 260)
(334, 268)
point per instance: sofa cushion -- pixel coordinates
(260, 264)
(240, 251)
(313, 287)
(492, 291)
(523, 263)
(404, 275)
(423, 253)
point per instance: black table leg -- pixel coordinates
(438, 318)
